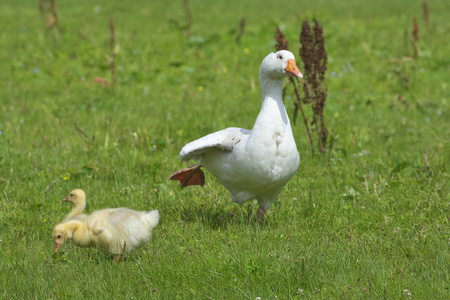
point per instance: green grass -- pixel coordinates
(364, 221)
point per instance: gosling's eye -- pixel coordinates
(58, 236)
(71, 195)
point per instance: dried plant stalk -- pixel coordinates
(314, 57)
(282, 44)
(321, 59)
(188, 18)
(241, 31)
(47, 9)
(113, 53)
(42, 9)
(406, 42)
(425, 14)
(54, 16)
(425, 156)
(297, 106)
(184, 27)
(280, 38)
(415, 34)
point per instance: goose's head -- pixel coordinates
(60, 234)
(76, 197)
(279, 65)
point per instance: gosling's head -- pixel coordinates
(76, 197)
(60, 235)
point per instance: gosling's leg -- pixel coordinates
(116, 258)
(260, 214)
(191, 175)
(124, 250)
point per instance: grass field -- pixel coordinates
(366, 220)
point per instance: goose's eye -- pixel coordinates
(280, 57)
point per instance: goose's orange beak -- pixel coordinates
(292, 69)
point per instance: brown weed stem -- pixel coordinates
(425, 159)
(426, 14)
(113, 53)
(314, 57)
(188, 18)
(415, 34)
(241, 31)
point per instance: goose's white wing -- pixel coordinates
(224, 140)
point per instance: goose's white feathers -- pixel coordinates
(225, 140)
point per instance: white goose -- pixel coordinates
(257, 163)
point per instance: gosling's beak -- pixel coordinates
(292, 69)
(66, 199)
(57, 246)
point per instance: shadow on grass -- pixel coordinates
(216, 217)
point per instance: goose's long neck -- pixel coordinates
(272, 117)
(270, 87)
(77, 209)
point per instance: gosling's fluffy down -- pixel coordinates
(115, 231)
(115, 226)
